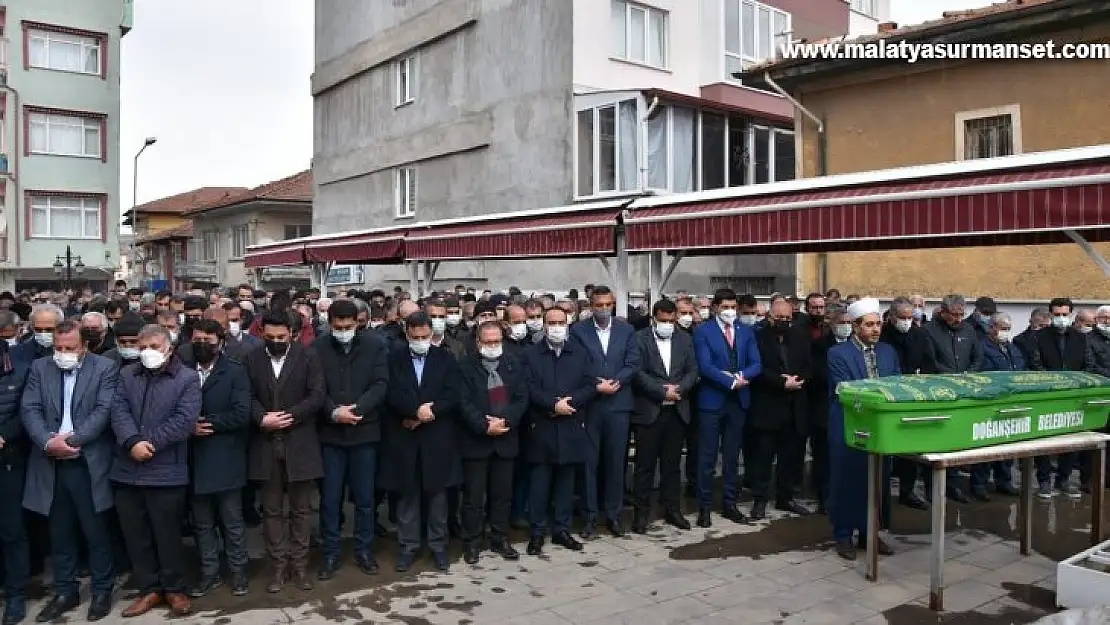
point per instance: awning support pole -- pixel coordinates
(413, 267)
(430, 269)
(678, 256)
(655, 276)
(620, 280)
(608, 268)
(257, 273)
(1091, 251)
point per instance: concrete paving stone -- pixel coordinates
(805, 596)
(601, 606)
(877, 619)
(677, 585)
(885, 595)
(968, 541)
(731, 568)
(546, 598)
(565, 576)
(902, 564)
(1007, 605)
(649, 573)
(1048, 582)
(629, 559)
(542, 617)
(835, 612)
(1020, 572)
(751, 587)
(993, 556)
(672, 612)
(807, 571)
(850, 578)
(954, 571)
(750, 612)
(1038, 560)
(969, 594)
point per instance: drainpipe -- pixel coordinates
(16, 155)
(822, 165)
(643, 141)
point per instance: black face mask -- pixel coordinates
(91, 337)
(780, 325)
(204, 352)
(191, 321)
(277, 349)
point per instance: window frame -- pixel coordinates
(100, 119)
(299, 231)
(595, 140)
(626, 55)
(776, 39)
(405, 189)
(32, 199)
(40, 30)
(404, 80)
(238, 248)
(963, 117)
(210, 238)
(870, 8)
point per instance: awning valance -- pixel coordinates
(274, 254)
(362, 248)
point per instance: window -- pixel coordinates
(639, 33)
(404, 70)
(47, 49)
(749, 285)
(65, 134)
(297, 231)
(753, 33)
(867, 7)
(607, 149)
(60, 217)
(404, 192)
(988, 133)
(177, 251)
(240, 239)
(210, 245)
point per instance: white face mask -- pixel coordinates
(343, 336)
(686, 320)
(377, 324)
(534, 325)
(664, 330)
(129, 353)
(903, 325)
(728, 315)
(749, 320)
(133, 306)
(490, 353)
(1062, 322)
(173, 336)
(12, 342)
(585, 315)
(518, 331)
(1086, 329)
(45, 339)
(556, 335)
(323, 316)
(1005, 336)
(180, 319)
(234, 328)
(420, 348)
(453, 320)
(152, 358)
(1104, 328)
(439, 326)
(66, 361)
(705, 313)
(842, 330)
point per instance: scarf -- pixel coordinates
(495, 386)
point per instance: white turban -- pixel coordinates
(865, 306)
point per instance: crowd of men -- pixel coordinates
(466, 413)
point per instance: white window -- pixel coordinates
(988, 133)
(65, 135)
(404, 192)
(240, 239)
(607, 140)
(68, 53)
(210, 245)
(753, 33)
(867, 7)
(59, 217)
(639, 33)
(404, 70)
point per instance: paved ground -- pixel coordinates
(780, 571)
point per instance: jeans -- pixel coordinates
(1003, 471)
(73, 514)
(522, 482)
(227, 508)
(14, 545)
(720, 431)
(606, 465)
(353, 466)
(151, 520)
(551, 481)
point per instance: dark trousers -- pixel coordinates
(819, 468)
(605, 465)
(487, 484)
(73, 516)
(411, 523)
(551, 481)
(789, 447)
(721, 432)
(1065, 465)
(1002, 470)
(659, 444)
(225, 509)
(907, 472)
(283, 552)
(522, 482)
(355, 467)
(691, 435)
(14, 545)
(151, 520)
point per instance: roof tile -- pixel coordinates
(295, 188)
(182, 202)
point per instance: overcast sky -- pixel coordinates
(223, 85)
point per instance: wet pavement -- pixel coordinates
(781, 571)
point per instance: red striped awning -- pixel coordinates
(556, 234)
(274, 255)
(366, 248)
(1022, 207)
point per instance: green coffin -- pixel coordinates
(936, 413)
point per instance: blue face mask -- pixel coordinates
(602, 316)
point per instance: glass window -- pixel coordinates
(607, 148)
(63, 52)
(989, 137)
(639, 33)
(586, 152)
(64, 135)
(65, 217)
(784, 155)
(404, 192)
(752, 33)
(737, 151)
(658, 153)
(405, 75)
(608, 156)
(761, 154)
(713, 127)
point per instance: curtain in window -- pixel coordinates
(657, 149)
(629, 155)
(586, 152)
(607, 148)
(683, 150)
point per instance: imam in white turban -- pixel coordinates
(865, 306)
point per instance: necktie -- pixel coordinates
(728, 335)
(872, 363)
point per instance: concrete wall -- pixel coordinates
(39, 87)
(872, 119)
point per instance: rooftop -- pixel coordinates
(295, 188)
(184, 231)
(183, 202)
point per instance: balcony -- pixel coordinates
(196, 270)
(128, 16)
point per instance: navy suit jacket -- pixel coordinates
(712, 351)
(846, 363)
(620, 362)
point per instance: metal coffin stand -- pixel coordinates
(1024, 452)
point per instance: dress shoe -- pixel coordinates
(404, 562)
(239, 585)
(704, 518)
(471, 553)
(793, 507)
(142, 605)
(179, 603)
(276, 583)
(980, 494)
(759, 511)
(302, 581)
(367, 564)
(959, 496)
(454, 529)
(846, 549)
(675, 518)
(442, 563)
(732, 513)
(565, 540)
(535, 546)
(821, 508)
(913, 500)
(379, 530)
(639, 522)
(504, 549)
(616, 528)
(205, 586)
(57, 607)
(881, 547)
(1007, 489)
(589, 531)
(329, 568)
(100, 606)
(15, 610)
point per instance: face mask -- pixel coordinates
(918, 313)
(66, 361)
(173, 336)
(343, 336)
(133, 306)
(686, 320)
(260, 303)
(1005, 336)
(234, 328)
(704, 312)
(439, 326)
(749, 320)
(518, 331)
(453, 320)
(534, 325)
(129, 353)
(91, 337)
(557, 334)
(664, 330)
(490, 353)
(420, 348)
(181, 319)
(602, 316)
(1085, 329)
(903, 325)
(1062, 322)
(45, 339)
(12, 342)
(277, 349)
(152, 358)
(781, 325)
(1104, 328)
(377, 324)
(323, 316)
(843, 330)
(727, 315)
(204, 352)
(585, 315)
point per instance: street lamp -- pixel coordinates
(72, 264)
(130, 217)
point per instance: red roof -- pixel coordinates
(189, 200)
(295, 188)
(184, 231)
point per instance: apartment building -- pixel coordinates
(425, 111)
(59, 140)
